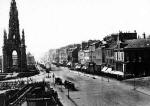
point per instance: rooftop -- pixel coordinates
(138, 43)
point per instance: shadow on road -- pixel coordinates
(72, 100)
(75, 89)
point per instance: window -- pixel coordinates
(116, 55)
(14, 36)
(122, 56)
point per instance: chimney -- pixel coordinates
(144, 36)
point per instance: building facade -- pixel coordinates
(30, 59)
(63, 56)
(137, 57)
(83, 57)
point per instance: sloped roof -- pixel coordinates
(112, 45)
(96, 42)
(138, 43)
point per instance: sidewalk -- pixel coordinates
(140, 84)
(62, 94)
(143, 90)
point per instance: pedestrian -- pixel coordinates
(53, 75)
(53, 78)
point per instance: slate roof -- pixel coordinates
(112, 45)
(138, 43)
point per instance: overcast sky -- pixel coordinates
(56, 23)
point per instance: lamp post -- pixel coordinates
(53, 78)
(91, 53)
(134, 74)
(134, 83)
(68, 92)
(91, 64)
(108, 76)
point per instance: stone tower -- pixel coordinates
(13, 42)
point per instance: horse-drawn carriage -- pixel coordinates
(69, 85)
(58, 81)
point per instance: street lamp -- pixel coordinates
(134, 73)
(91, 52)
(68, 92)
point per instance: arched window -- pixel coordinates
(14, 37)
(15, 58)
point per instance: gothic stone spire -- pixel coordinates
(23, 37)
(5, 36)
(13, 22)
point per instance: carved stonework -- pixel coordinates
(14, 43)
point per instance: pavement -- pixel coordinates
(62, 93)
(75, 98)
(139, 84)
